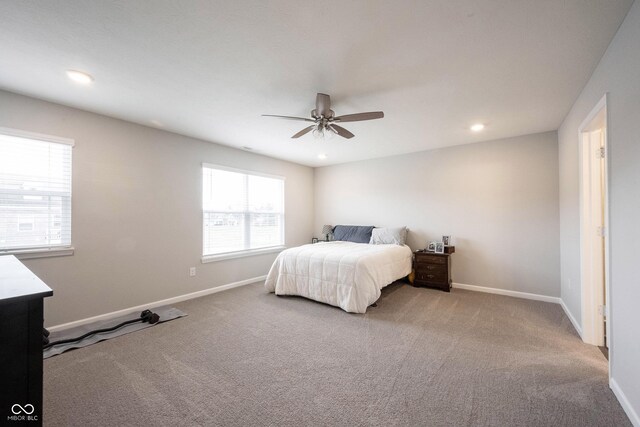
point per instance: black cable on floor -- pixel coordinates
(145, 317)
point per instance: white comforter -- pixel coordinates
(344, 274)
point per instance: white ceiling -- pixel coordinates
(209, 69)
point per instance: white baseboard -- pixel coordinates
(516, 294)
(160, 303)
(573, 320)
(624, 402)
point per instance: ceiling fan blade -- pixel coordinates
(341, 131)
(303, 131)
(360, 117)
(288, 117)
(323, 105)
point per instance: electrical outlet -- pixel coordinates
(192, 272)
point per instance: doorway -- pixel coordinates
(594, 240)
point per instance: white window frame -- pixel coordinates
(49, 251)
(243, 252)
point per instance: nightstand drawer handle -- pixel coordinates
(430, 276)
(431, 267)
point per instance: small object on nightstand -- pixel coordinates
(327, 231)
(314, 240)
(433, 269)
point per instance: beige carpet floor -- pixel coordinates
(420, 358)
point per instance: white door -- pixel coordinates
(593, 231)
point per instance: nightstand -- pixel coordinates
(432, 270)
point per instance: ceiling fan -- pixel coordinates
(325, 122)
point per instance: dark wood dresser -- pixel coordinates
(21, 322)
(432, 270)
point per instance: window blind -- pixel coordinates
(35, 192)
(241, 211)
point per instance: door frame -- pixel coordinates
(591, 319)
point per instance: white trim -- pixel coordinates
(602, 103)
(607, 239)
(38, 136)
(573, 320)
(40, 252)
(160, 303)
(516, 294)
(241, 254)
(624, 402)
(243, 171)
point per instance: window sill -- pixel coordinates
(242, 254)
(40, 253)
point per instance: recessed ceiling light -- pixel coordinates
(80, 77)
(477, 127)
(322, 156)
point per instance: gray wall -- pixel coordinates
(618, 74)
(137, 222)
(498, 199)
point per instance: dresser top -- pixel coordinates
(17, 281)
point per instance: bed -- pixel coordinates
(344, 274)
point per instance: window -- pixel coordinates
(242, 211)
(35, 191)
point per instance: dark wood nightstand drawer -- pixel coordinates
(430, 259)
(431, 268)
(423, 276)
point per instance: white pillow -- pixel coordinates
(389, 236)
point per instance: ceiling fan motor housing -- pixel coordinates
(315, 115)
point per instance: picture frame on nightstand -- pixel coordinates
(439, 249)
(431, 246)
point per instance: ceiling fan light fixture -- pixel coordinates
(318, 133)
(328, 132)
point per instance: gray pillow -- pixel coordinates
(389, 236)
(353, 233)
